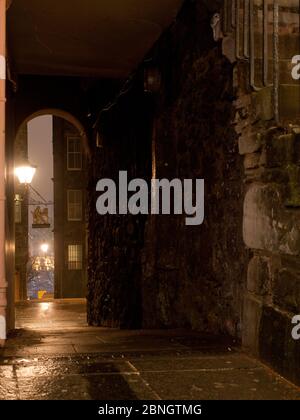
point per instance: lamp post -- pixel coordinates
(24, 173)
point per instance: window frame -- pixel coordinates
(73, 154)
(74, 259)
(69, 204)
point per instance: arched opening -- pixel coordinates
(50, 218)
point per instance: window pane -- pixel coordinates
(75, 205)
(71, 161)
(71, 145)
(75, 257)
(74, 153)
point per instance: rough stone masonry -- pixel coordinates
(155, 271)
(239, 272)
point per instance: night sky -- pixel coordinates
(40, 153)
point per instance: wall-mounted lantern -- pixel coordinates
(152, 79)
(99, 140)
(25, 173)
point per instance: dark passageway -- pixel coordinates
(189, 291)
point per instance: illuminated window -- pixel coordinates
(74, 205)
(75, 257)
(74, 153)
(18, 209)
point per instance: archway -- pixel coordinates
(65, 115)
(51, 225)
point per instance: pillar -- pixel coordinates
(3, 283)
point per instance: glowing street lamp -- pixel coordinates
(44, 248)
(25, 174)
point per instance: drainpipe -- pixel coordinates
(3, 283)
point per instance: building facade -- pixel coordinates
(69, 211)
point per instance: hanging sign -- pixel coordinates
(40, 218)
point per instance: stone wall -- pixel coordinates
(115, 242)
(158, 272)
(239, 272)
(272, 231)
(196, 275)
(271, 227)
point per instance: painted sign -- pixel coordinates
(40, 218)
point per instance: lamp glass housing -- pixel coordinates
(25, 174)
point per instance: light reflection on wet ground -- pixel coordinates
(54, 355)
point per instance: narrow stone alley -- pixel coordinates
(150, 200)
(54, 355)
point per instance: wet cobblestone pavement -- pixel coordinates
(54, 355)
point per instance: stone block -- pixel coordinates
(251, 324)
(241, 124)
(259, 229)
(251, 161)
(228, 48)
(289, 104)
(249, 143)
(276, 345)
(258, 276)
(274, 175)
(267, 224)
(293, 173)
(279, 150)
(243, 102)
(296, 133)
(286, 290)
(262, 102)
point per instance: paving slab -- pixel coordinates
(191, 363)
(252, 384)
(56, 356)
